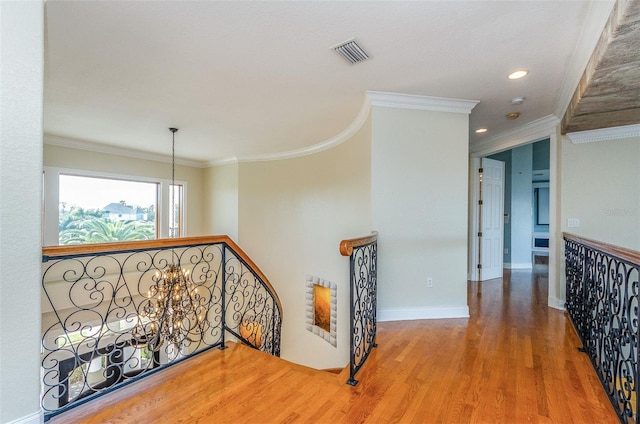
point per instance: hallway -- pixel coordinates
(514, 361)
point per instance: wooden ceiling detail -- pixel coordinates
(608, 94)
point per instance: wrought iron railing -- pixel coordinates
(363, 258)
(96, 335)
(603, 298)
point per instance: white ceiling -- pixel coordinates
(247, 79)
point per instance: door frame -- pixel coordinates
(545, 129)
(474, 218)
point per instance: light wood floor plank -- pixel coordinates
(514, 361)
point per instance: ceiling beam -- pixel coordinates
(608, 94)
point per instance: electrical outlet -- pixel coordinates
(429, 282)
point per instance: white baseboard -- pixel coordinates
(517, 266)
(423, 313)
(556, 303)
(35, 418)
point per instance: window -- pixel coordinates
(175, 213)
(101, 210)
(85, 207)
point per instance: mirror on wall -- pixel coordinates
(540, 216)
(541, 205)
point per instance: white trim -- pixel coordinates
(508, 265)
(423, 313)
(223, 161)
(523, 265)
(498, 144)
(371, 98)
(340, 138)
(528, 133)
(52, 195)
(601, 134)
(411, 101)
(474, 188)
(35, 418)
(556, 303)
(72, 143)
(554, 221)
(592, 28)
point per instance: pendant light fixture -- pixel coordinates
(173, 306)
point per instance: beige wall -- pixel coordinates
(292, 215)
(601, 187)
(419, 176)
(221, 200)
(21, 67)
(65, 157)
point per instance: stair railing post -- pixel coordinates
(352, 354)
(223, 290)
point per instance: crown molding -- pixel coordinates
(340, 138)
(601, 134)
(73, 143)
(411, 101)
(371, 98)
(222, 161)
(533, 131)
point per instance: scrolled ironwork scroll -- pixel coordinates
(98, 334)
(602, 292)
(363, 305)
(251, 311)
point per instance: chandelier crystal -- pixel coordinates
(172, 308)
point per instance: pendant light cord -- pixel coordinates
(173, 183)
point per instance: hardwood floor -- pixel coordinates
(514, 361)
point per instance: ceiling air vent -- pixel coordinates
(351, 51)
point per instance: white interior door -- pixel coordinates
(492, 221)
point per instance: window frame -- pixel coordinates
(51, 196)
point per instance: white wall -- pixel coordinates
(21, 76)
(601, 188)
(293, 213)
(66, 157)
(221, 200)
(419, 177)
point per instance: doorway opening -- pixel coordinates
(524, 231)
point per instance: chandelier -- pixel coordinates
(172, 309)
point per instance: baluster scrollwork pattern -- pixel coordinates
(251, 311)
(363, 258)
(602, 290)
(97, 336)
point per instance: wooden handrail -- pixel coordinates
(346, 246)
(127, 246)
(629, 255)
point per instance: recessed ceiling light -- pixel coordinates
(518, 74)
(517, 100)
(481, 130)
(513, 115)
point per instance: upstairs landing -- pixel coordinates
(514, 361)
